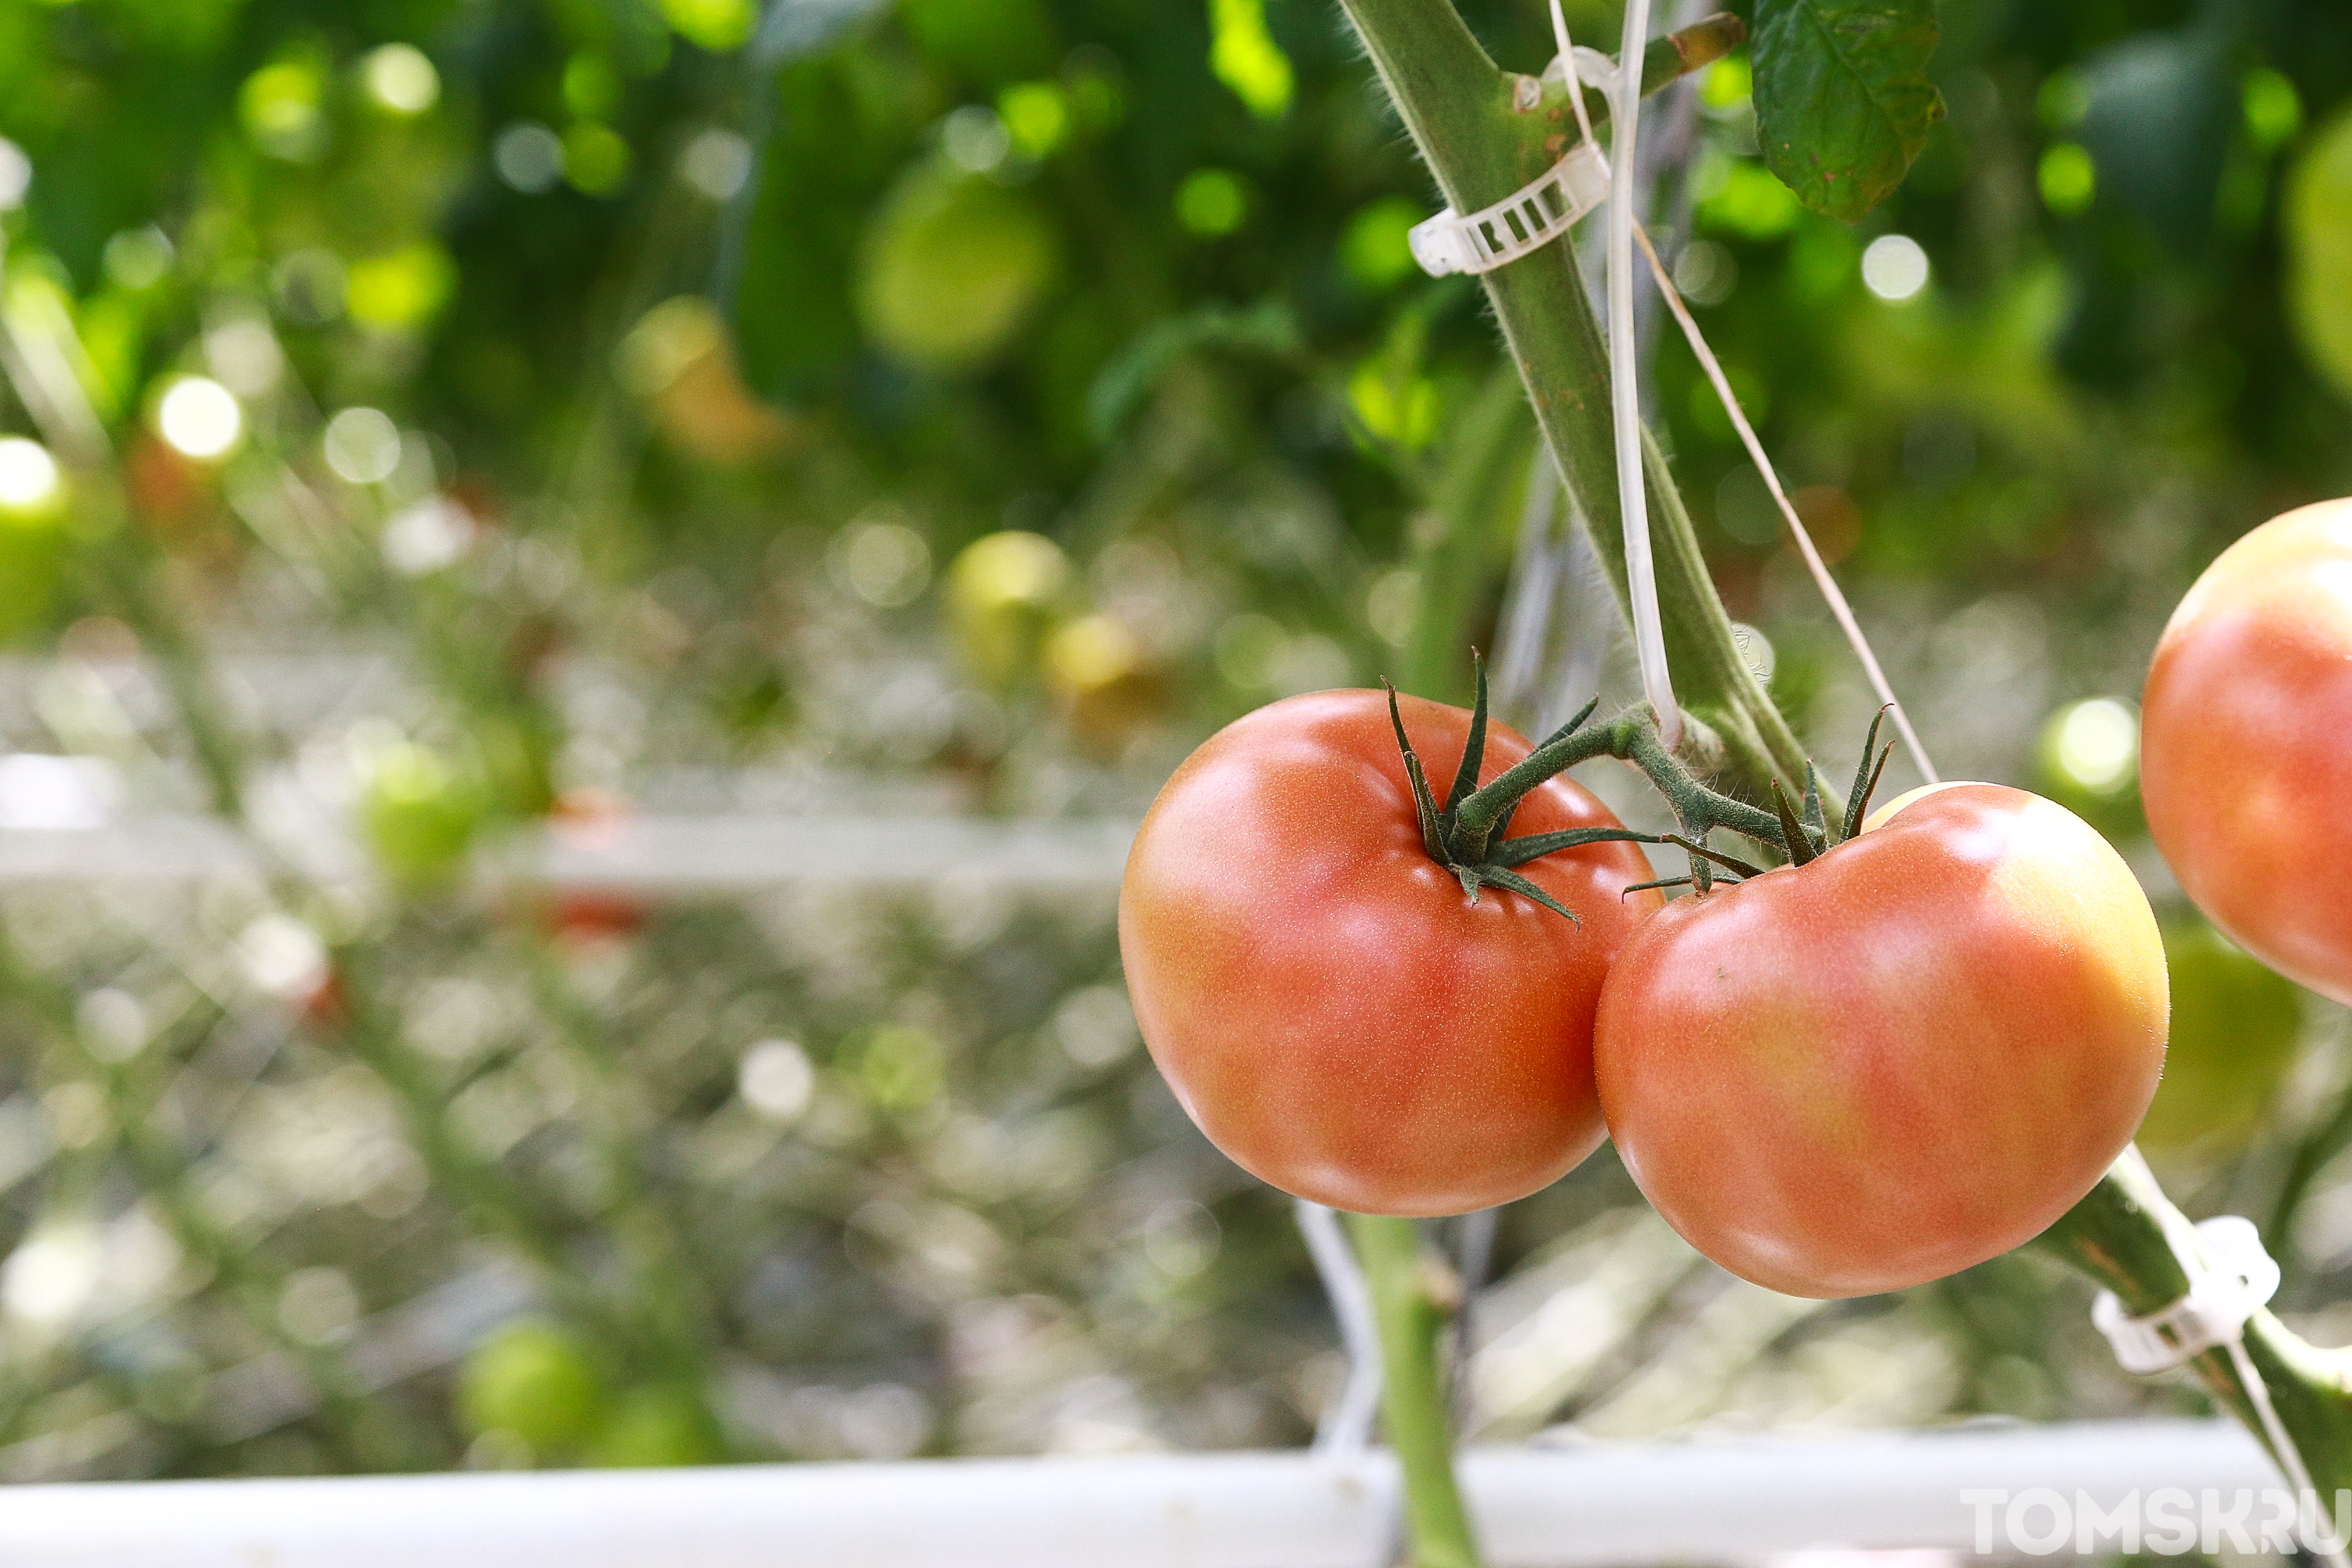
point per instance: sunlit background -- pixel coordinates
(590, 589)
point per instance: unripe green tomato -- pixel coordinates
(658, 1427)
(988, 41)
(2234, 1029)
(1001, 590)
(953, 264)
(418, 814)
(537, 1380)
(2087, 760)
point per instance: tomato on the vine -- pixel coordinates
(2246, 744)
(1329, 1005)
(1904, 1057)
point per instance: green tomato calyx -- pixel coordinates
(1467, 835)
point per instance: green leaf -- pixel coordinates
(1267, 330)
(1244, 57)
(1842, 98)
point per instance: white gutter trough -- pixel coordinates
(1697, 1503)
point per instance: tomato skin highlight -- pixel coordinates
(1905, 1057)
(1324, 999)
(2246, 744)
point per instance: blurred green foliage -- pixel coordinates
(954, 404)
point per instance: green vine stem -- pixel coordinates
(1413, 1301)
(2117, 1236)
(1414, 1298)
(1482, 139)
(1483, 134)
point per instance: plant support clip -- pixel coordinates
(1528, 219)
(2213, 1313)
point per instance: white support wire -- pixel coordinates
(1624, 231)
(1634, 511)
(1813, 563)
(1571, 76)
(1346, 1427)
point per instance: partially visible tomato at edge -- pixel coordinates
(2246, 744)
(1910, 1056)
(1325, 1000)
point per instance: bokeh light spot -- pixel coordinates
(199, 416)
(1895, 267)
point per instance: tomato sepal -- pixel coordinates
(1865, 777)
(1470, 859)
(1793, 835)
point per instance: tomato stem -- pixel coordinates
(1463, 835)
(1414, 1298)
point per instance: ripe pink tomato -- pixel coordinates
(1322, 996)
(1905, 1058)
(2246, 744)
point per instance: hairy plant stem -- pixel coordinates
(1482, 141)
(1413, 1300)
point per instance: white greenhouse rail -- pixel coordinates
(657, 855)
(1538, 1508)
(654, 856)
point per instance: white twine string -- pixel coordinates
(1813, 563)
(1569, 75)
(1634, 511)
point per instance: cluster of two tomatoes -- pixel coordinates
(1908, 1055)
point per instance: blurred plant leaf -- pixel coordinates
(1842, 99)
(1266, 329)
(829, 142)
(2318, 223)
(990, 42)
(1245, 58)
(2157, 122)
(791, 29)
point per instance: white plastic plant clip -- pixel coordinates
(1539, 211)
(2230, 1277)
(2212, 1314)
(1528, 219)
(1592, 67)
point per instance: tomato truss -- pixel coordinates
(1467, 836)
